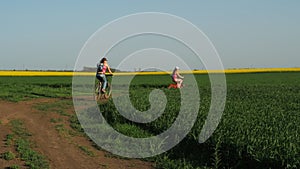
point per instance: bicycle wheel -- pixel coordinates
(98, 90)
(108, 90)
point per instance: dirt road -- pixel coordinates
(50, 133)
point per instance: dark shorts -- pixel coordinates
(99, 77)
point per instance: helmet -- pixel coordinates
(177, 67)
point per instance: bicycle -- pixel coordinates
(174, 86)
(99, 95)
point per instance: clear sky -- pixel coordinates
(246, 33)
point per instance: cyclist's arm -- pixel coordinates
(179, 75)
(108, 68)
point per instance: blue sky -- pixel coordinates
(49, 35)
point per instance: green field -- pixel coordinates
(259, 127)
(24, 88)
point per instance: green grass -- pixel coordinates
(60, 106)
(21, 140)
(56, 120)
(13, 167)
(74, 124)
(86, 150)
(9, 139)
(32, 159)
(24, 88)
(8, 155)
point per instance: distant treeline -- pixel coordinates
(93, 69)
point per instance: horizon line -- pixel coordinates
(82, 73)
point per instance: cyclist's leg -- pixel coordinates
(175, 81)
(181, 81)
(178, 82)
(99, 77)
(104, 82)
(98, 85)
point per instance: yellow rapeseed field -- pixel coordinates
(58, 73)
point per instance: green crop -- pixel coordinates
(259, 127)
(24, 88)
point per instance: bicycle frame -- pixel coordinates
(98, 90)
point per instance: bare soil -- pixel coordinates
(60, 148)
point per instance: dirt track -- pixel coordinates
(61, 149)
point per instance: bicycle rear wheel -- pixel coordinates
(108, 90)
(98, 90)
